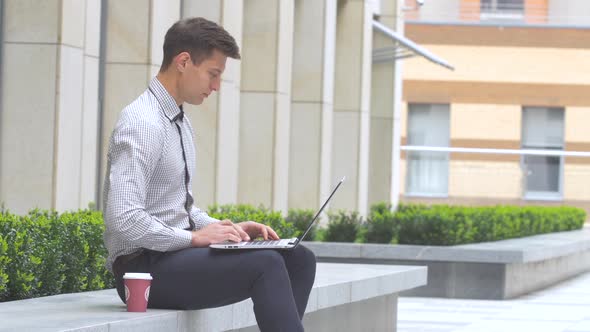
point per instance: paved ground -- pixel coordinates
(562, 308)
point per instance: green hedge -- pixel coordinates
(452, 225)
(293, 225)
(449, 225)
(300, 219)
(45, 253)
(380, 226)
(343, 226)
(243, 212)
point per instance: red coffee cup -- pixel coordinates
(137, 291)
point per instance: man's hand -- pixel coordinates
(224, 230)
(255, 230)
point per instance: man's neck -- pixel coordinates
(168, 80)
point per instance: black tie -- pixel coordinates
(189, 199)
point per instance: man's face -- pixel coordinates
(197, 82)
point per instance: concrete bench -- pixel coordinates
(345, 297)
(491, 270)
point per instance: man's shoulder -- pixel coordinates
(143, 110)
(141, 118)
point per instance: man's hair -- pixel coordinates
(199, 37)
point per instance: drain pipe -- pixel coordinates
(101, 87)
(2, 20)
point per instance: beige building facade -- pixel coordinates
(305, 106)
(520, 83)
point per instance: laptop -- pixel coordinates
(287, 244)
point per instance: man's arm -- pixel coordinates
(201, 218)
(133, 153)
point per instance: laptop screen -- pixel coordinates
(320, 211)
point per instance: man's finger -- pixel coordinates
(272, 233)
(235, 230)
(229, 233)
(243, 235)
(231, 230)
(234, 238)
(264, 231)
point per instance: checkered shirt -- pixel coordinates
(146, 204)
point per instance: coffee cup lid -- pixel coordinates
(145, 276)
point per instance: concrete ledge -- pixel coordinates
(491, 270)
(348, 296)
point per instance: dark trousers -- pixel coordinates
(278, 281)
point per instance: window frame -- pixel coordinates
(407, 192)
(495, 12)
(542, 195)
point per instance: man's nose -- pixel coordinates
(216, 85)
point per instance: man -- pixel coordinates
(151, 223)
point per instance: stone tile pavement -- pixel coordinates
(562, 308)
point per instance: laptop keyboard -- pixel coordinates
(263, 243)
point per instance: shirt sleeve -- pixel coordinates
(201, 218)
(133, 152)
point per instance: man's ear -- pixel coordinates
(181, 61)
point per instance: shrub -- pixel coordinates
(320, 234)
(44, 253)
(4, 260)
(343, 227)
(381, 226)
(23, 264)
(243, 212)
(300, 219)
(88, 227)
(452, 225)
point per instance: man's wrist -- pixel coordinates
(194, 238)
(182, 240)
(197, 240)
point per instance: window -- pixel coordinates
(502, 10)
(543, 128)
(428, 172)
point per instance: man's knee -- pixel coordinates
(305, 256)
(268, 258)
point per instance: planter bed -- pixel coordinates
(490, 270)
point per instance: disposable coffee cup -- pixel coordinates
(137, 291)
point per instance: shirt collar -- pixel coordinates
(168, 104)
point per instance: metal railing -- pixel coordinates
(530, 152)
(526, 193)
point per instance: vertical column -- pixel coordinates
(69, 103)
(48, 54)
(90, 121)
(265, 97)
(385, 115)
(398, 132)
(312, 102)
(135, 31)
(350, 146)
(2, 19)
(30, 64)
(162, 14)
(216, 121)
